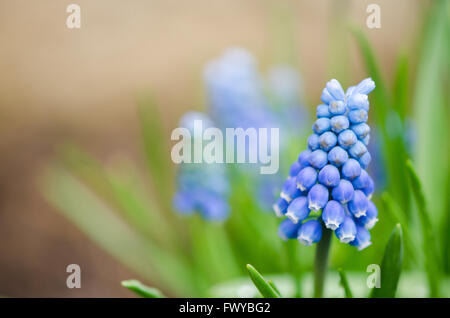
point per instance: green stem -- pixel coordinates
(322, 251)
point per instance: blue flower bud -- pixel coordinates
(289, 190)
(358, 205)
(337, 156)
(339, 123)
(306, 178)
(343, 192)
(317, 197)
(357, 150)
(280, 207)
(346, 232)
(298, 210)
(357, 116)
(361, 130)
(333, 215)
(214, 208)
(321, 125)
(347, 138)
(329, 176)
(350, 91)
(294, 169)
(358, 101)
(322, 111)
(313, 142)
(337, 107)
(362, 238)
(370, 219)
(366, 140)
(326, 96)
(364, 160)
(310, 232)
(365, 86)
(362, 180)
(184, 203)
(288, 230)
(369, 188)
(318, 159)
(327, 140)
(351, 169)
(303, 158)
(335, 89)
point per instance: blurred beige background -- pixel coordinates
(58, 84)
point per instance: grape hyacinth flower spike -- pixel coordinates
(201, 188)
(329, 189)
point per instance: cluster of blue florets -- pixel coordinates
(201, 187)
(239, 96)
(328, 185)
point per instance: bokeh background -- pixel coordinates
(58, 84)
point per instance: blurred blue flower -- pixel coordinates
(201, 187)
(235, 91)
(333, 187)
(239, 96)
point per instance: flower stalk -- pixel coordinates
(321, 261)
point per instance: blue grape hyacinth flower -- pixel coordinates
(201, 187)
(328, 186)
(239, 96)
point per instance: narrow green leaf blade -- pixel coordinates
(399, 216)
(445, 231)
(344, 283)
(387, 120)
(431, 109)
(381, 95)
(131, 196)
(261, 284)
(141, 289)
(156, 150)
(272, 284)
(391, 266)
(401, 86)
(429, 242)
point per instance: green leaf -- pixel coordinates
(272, 284)
(141, 289)
(445, 231)
(428, 237)
(381, 95)
(391, 266)
(211, 249)
(387, 120)
(344, 283)
(261, 284)
(431, 109)
(156, 150)
(132, 197)
(398, 216)
(401, 86)
(86, 167)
